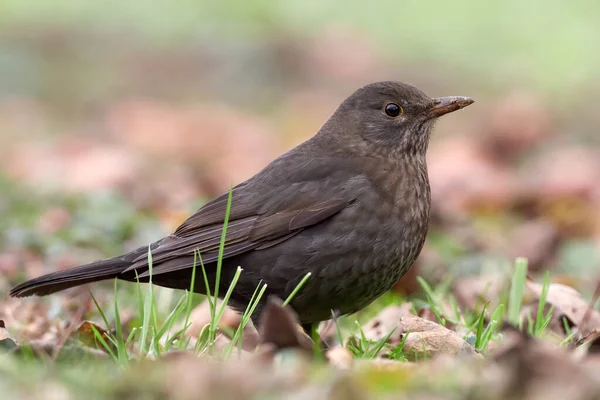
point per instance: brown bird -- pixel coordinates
(350, 206)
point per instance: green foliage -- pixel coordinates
(154, 339)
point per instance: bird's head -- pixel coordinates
(393, 115)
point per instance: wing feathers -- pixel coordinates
(316, 213)
(243, 234)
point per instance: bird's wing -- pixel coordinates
(263, 213)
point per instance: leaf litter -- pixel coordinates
(507, 186)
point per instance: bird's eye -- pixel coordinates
(393, 109)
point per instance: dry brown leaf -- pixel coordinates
(534, 369)
(85, 334)
(428, 338)
(425, 338)
(386, 321)
(473, 293)
(567, 302)
(279, 326)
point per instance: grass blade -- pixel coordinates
(517, 287)
(190, 296)
(297, 289)
(222, 243)
(121, 348)
(148, 303)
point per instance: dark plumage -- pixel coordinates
(350, 205)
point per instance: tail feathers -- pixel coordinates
(61, 280)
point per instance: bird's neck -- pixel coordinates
(328, 144)
(403, 178)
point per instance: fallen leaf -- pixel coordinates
(386, 321)
(279, 326)
(569, 303)
(424, 339)
(85, 334)
(535, 369)
(472, 293)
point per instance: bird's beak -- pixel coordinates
(445, 105)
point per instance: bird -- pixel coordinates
(349, 208)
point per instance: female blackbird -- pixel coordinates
(350, 206)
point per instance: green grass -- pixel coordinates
(517, 288)
(154, 338)
(152, 334)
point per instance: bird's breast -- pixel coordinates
(377, 239)
(362, 251)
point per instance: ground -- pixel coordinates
(116, 126)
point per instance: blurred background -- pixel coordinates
(118, 119)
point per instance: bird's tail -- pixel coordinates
(61, 280)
